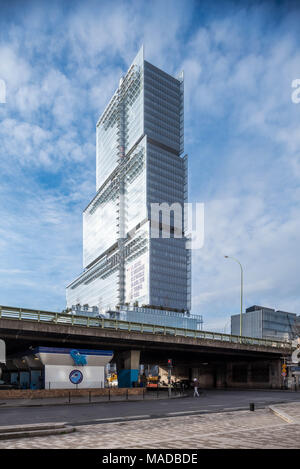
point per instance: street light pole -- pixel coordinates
(242, 280)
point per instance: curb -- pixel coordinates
(257, 389)
(283, 415)
(31, 427)
(32, 430)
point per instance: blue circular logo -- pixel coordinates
(75, 376)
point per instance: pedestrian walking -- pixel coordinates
(196, 386)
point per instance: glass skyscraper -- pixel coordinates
(139, 162)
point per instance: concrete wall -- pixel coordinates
(205, 375)
(255, 375)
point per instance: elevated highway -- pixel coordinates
(215, 352)
(25, 325)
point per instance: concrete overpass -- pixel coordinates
(218, 359)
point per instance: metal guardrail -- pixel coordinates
(21, 314)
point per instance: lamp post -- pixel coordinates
(242, 274)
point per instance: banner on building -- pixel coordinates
(137, 280)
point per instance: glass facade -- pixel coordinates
(265, 323)
(155, 316)
(139, 146)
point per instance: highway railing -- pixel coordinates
(21, 314)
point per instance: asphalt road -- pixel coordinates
(211, 401)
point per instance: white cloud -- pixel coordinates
(241, 133)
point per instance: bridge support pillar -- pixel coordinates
(128, 366)
(276, 378)
(2, 355)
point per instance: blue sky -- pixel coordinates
(61, 64)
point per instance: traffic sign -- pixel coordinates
(283, 370)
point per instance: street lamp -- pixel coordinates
(229, 257)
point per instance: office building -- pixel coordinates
(139, 162)
(265, 323)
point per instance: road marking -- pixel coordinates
(235, 408)
(184, 412)
(124, 418)
(101, 420)
(135, 416)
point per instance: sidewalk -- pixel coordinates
(86, 400)
(231, 430)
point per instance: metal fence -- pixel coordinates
(21, 314)
(81, 396)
